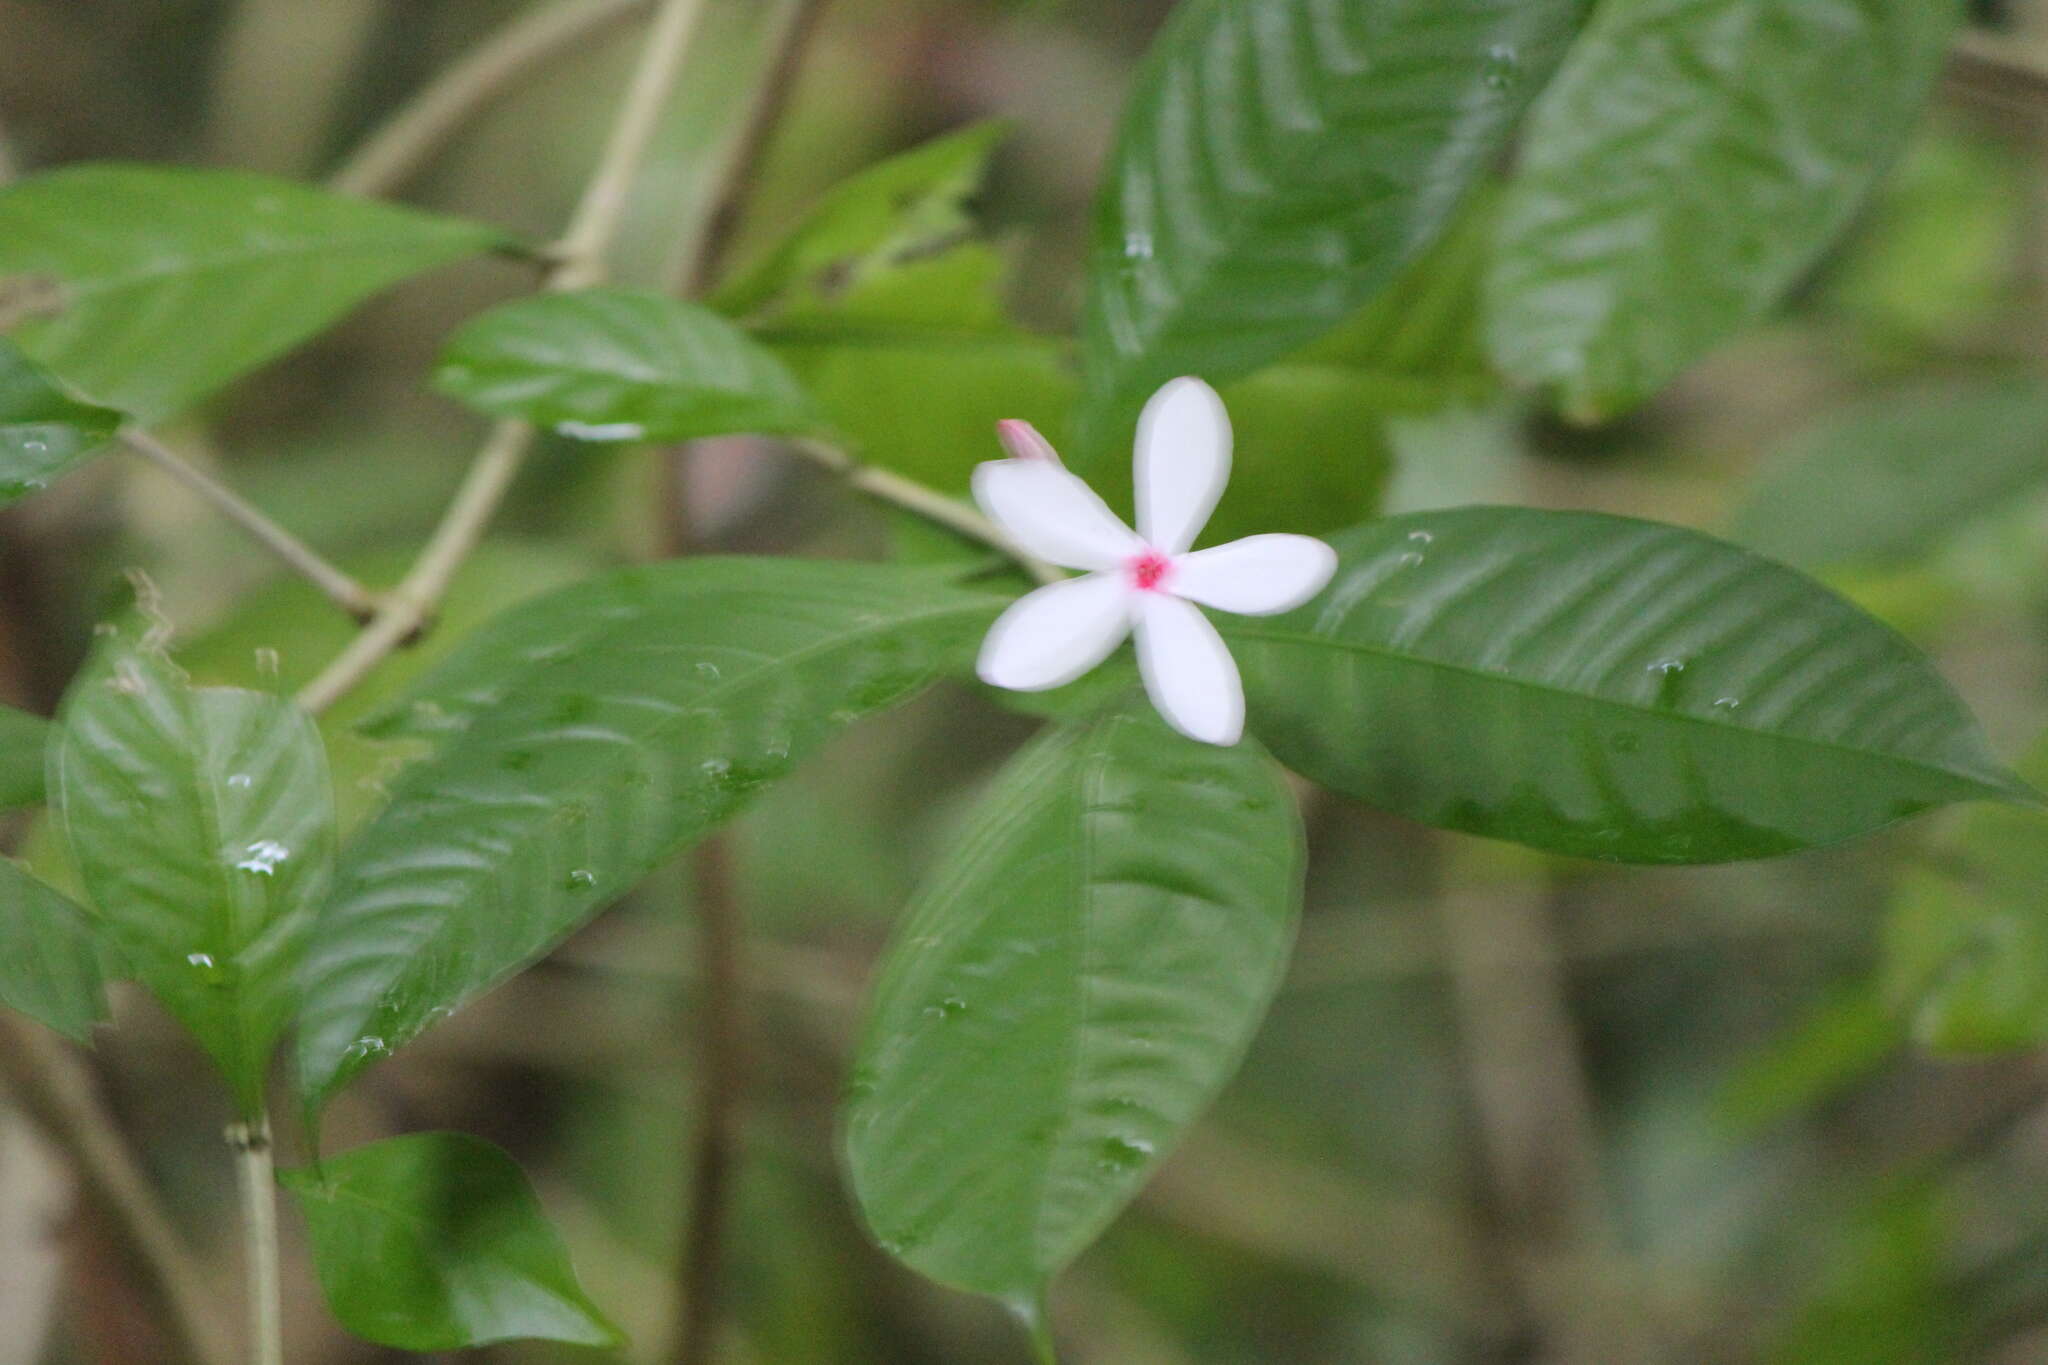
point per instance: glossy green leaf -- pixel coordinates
(588, 736)
(22, 740)
(890, 213)
(1605, 687)
(201, 821)
(436, 1242)
(1884, 479)
(620, 365)
(169, 282)
(1691, 162)
(1279, 162)
(50, 964)
(43, 430)
(1076, 981)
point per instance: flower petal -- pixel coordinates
(1256, 576)
(1183, 461)
(1053, 635)
(1188, 672)
(1052, 514)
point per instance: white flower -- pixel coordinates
(1145, 581)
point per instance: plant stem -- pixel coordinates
(52, 1086)
(579, 260)
(404, 144)
(255, 1168)
(1037, 1323)
(934, 506)
(722, 1073)
(697, 267)
(351, 596)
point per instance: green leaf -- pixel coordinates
(1278, 164)
(1077, 980)
(1691, 162)
(1605, 687)
(892, 212)
(170, 281)
(618, 365)
(436, 1242)
(43, 431)
(589, 735)
(1884, 479)
(22, 740)
(50, 964)
(201, 821)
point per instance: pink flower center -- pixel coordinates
(1149, 570)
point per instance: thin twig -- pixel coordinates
(698, 266)
(578, 261)
(910, 495)
(351, 596)
(255, 1168)
(722, 1080)
(412, 137)
(52, 1086)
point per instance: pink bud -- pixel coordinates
(1023, 442)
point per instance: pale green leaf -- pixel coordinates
(892, 212)
(201, 821)
(1886, 478)
(43, 430)
(50, 960)
(436, 1242)
(168, 282)
(22, 740)
(619, 365)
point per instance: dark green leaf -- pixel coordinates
(594, 732)
(202, 824)
(22, 740)
(1884, 479)
(892, 212)
(617, 365)
(1279, 162)
(43, 431)
(49, 956)
(169, 282)
(436, 1242)
(1077, 980)
(1605, 687)
(1692, 161)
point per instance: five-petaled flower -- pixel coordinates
(1144, 582)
